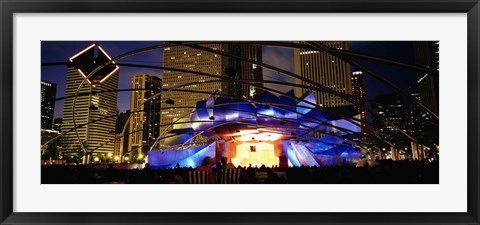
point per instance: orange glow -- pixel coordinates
(115, 70)
(101, 49)
(113, 62)
(264, 154)
(84, 50)
(258, 137)
(80, 71)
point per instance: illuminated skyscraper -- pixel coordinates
(359, 92)
(121, 142)
(393, 113)
(48, 92)
(144, 125)
(187, 58)
(182, 57)
(95, 114)
(326, 70)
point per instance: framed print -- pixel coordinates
(263, 112)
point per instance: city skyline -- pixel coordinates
(60, 51)
(243, 105)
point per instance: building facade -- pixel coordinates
(144, 125)
(359, 92)
(238, 69)
(390, 107)
(180, 104)
(427, 54)
(95, 111)
(121, 142)
(326, 70)
(48, 93)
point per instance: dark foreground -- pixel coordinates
(385, 172)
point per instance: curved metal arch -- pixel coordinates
(313, 44)
(271, 104)
(221, 80)
(275, 68)
(93, 73)
(210, 121)
(340, 94)
(135, 52)
(275, 91)
(321, 47)
(348, 53)
(193, 107)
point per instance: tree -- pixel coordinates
(52, 151)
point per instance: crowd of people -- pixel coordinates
(382, 172)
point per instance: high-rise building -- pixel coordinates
(390, 107)
(183, 57)
(95, 111)
(238, 69)
(121, 142)
(359, 92)
(144, 125)
(415, 126)
(326, 70)
(427, 54)
(48, 92)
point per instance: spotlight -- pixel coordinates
(238, 131)
(266, 107)
(211, 118)
(282, 123)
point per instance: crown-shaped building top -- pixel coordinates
(85, 62)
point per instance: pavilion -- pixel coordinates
(270, 130)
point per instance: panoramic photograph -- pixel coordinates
(239, 112)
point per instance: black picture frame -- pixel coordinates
(10, 7)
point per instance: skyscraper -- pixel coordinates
(183, 57)
(389, 107)
(238, 69)
(144, 125)
(427, 54)
(95, 113)
(187, 58)
(48, 92)
(359, 92)
(415, 126)
(121, 142)
(326, 70)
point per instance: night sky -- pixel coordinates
(60, 51)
